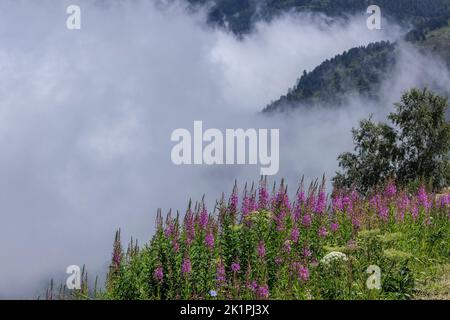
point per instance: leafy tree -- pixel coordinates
(374, 157)
(423, 137)
(415, 148)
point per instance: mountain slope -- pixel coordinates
(240, 15)
(358, 71)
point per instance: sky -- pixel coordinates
(86, 118)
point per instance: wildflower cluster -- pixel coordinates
(262, 245)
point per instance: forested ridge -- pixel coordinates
(358, 71)
(240, 15)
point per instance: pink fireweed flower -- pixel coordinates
(306, 252)
(263, 292)
(287, 246)
(246, 206)
(186, 267)
(383, 213)
(321, 203)
(176, 245)
(337, 204)
(306, 220)
(168, 232)
(295, 235)
(334, 226)
(303, 273)
(158, 274)
(391, 190)
(323, 232)
(263, 197)
(203, 220)
(281, 200)
(356, 223)
(415, 211)
(233, 203)
(209, 241)
(311, 202)
(298, 205)
(220, 273)
(402, 205)
(444, 200)
(347, 203)
(261, 250)
(252, 286)
(423, 198)
(235, 267)
(278, 260)
(375, 201)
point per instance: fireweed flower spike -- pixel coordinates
(323, 232)
(306, 220)
(235, 267)
(334, 226)
(158, 274)
(186, 267)
(423, 199)
(321, 203)
(295, 234)
(209, 241)
(261, 250)
(204, 217)
(263, 292)
(303, 273)
(220, 273)
(263, 196)
(337, 204)
(391, 190)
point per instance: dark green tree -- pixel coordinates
(423, 137)
(416, 148)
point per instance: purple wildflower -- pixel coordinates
(287, 246)
(295, 234)
(306, 252)
(186, 267)
(204, 217)
(209, 241)
(303, 273)
(261, 250)
(356, 223)
(158, 274)
(263, 292)
(306, 221)
(337, 204)
(424, 199)
(323, 232)
(334, 226)
(263, 197)
(235, 267)
(220, 273)
(253, 286)
(320, 204)
(391, 190)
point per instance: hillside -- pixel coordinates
(239, 16)
(358, 71)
